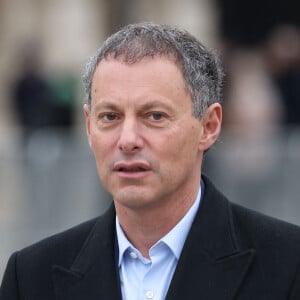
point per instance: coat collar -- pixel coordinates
(93, 275)
(212, 265)
(213, 262)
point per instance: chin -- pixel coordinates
(133, 198)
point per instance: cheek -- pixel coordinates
(102, 160)
(183, 142)
(184, 153)
(175, 154)
(102, 149)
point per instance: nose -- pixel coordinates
(130, 140)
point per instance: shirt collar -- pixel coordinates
(123, 242)
(174, 239)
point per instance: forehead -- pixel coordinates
(157, 77)
(157, 62)
(157, 71)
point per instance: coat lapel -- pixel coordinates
(213, 264)
(93, 274)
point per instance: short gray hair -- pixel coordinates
(200, 66)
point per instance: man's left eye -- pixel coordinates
(156, 116)
(109, 117)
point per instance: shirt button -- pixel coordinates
(133, 255)
(149, 295)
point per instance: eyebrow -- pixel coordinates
(106, 105)
(111, 105)
(155, 103)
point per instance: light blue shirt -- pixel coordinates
(143, 278)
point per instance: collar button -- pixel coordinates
(133, 255)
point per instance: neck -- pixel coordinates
(144, 227)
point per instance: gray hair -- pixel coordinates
(200, 66)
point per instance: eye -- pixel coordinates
(156, 116)
(108, 117)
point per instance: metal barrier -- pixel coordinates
(50, 183)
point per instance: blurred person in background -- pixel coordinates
(32, 95)
(260, 47)
(261, 38)
(153, 110)
(44, 105)
(282, 54)
(42, 101)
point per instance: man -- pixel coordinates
(153, 110)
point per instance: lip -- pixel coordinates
(136, 169)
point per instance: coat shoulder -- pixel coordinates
(264, 228)
(252, 226)
(60, 248)
(277, 249)
(29, 270)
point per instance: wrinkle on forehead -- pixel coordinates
(138, 80)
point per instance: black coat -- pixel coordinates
(230, 253)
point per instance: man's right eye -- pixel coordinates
(110, 117)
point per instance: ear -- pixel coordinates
(87, 115)
(211, 126)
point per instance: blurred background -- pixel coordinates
(48, 179)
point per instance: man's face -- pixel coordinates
(142, 132)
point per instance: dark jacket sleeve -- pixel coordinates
(295, 292)
(9, 287)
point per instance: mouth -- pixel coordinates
(127, 169)
(132, 169)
